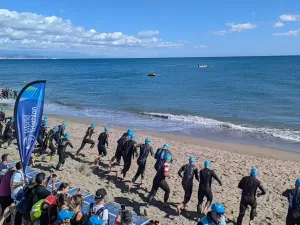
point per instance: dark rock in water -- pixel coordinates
(224, 125)
(156, 115)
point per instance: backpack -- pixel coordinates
(36, 211)
(49, 210)
(27, 200)
(98, 213)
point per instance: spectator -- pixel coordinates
(7, 213)
(5, 192)
(124, 217)
(76, 202)
(62, 189)
(97, 208)
(95, 220)
(41, 184)
(62, 202)
(17, 181)
(64, 217)
(4, 165)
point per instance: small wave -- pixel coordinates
(258, 132)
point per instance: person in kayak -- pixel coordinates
(159, 180)
(61, 131)
(189, 172)
(118, 154)
(160, 155)
(102, 141)
(215, 216)
(293, 196)
(145, 149)
(64, 142)
(87, 138)
(249, 186)
(206, 175)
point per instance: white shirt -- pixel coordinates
(17, 177)
(104, 214)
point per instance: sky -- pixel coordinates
(144, 28)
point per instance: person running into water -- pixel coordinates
(160, 155)
(215, 216)
(41, 138)
(128, 151)
(118, 154)
(249, 185)
(206, 175)
(87, 138)
(145, 149)
(61, 132)
(159, 180)
(64, 142)
(51, 136)
(102, 141)
(2, 120)
(46, 118)
(189, 172)
(9, 132)
(293, 196)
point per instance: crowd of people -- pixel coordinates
(7, 93)
(35, 203)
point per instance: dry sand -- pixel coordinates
(277, 171)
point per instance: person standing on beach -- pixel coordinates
(249, 186)
(145, 149)
(160, 155)
(159, 180)
(64, 142)
(205, 178)
(118, 154)
(60, 132)
(87, 138)
(51, 136)
(41, 137)
(102, 141)
(189, 172)
(293, 196)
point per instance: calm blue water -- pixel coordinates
(254, 100)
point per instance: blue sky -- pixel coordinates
(154, 28)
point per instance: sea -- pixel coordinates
(247, 100)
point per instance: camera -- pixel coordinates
(123, 207)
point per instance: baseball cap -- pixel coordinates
(95, 220)
(100, 194)
(65, 215)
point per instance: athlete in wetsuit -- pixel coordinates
(160, 180)
(87, 138)
(160, 155)
(2, 120)
(128, 152)
(121, 141)
(46, 118)
(51, 137)
(145, 149)
(9, 132)
(206, 175)
(293, 195)
(102, 141)
(189, 172)
(41, 138)
(64, 142)
(60, 132)
(249, 185)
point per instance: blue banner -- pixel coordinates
(28, 114)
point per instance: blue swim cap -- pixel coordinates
(46, 117)
(297, 184)
(129, 130)
(106, 129)
(166, 146)
(95, 220)
(46, 124)
(133, 137)
(56, 128)
(64, 215)
(65, 124)
(147, 141)
(130, 133)
(207, 164)
(3, 109)
(93, 125)
(12, 118)
(218, 208)
(168, 157)
(254, 172)
(192, 160)
(67, 135)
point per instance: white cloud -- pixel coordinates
(221, 32)
(279, 24)
(27, 30)
(201, 46)
(289, 33)
(289, 17)
(241, 27)
(148, 33)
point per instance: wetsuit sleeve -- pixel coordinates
(197, 174)
(180, 171)
(106, 140)
(157, 154)
(69, 143)
(217, 178)
(261, 188)
(151, 151)
(286, 193)
(62, 132)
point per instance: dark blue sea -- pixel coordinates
(250, 100)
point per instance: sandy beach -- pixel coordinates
(277, 171)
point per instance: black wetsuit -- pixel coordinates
(118, 153)
(249, 185)
(206, 175)
(9, 132)
(2, 121)
(293, 216)
(128, 151)
(159, 181)
(145, 149)
(64, 142)
(59, 133)
(189, 171)
(102, 140)
(51, 137)
(159, 156)
(41, 139)
(87, 139)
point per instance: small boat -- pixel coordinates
(202, 66)
(151, 74)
